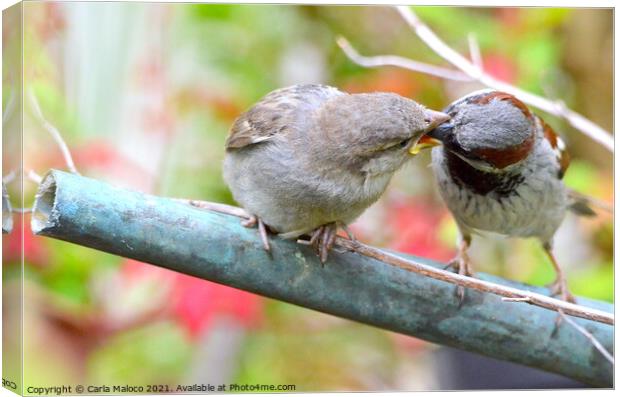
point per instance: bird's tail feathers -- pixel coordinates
(585, 205)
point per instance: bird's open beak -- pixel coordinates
(426, 142)
(434, 119)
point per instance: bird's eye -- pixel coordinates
(396, 145)
(405, 143)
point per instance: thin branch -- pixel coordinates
(590, 337)
(393, 60)
(477, 284)
(595, 342)
(526, 299)
(53, 132)
(442, 49)
(443, 275)
(474, 51)
(508, 293)
(34, 177)
(8, 178)
(10, 106)
(217, 207)
(31, 176)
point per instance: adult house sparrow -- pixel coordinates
(500, 169)
(309, 158)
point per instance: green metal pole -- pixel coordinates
(216, 247)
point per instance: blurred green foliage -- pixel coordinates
(152, 355)
(71, 268)
(317, 352)
(243, 43)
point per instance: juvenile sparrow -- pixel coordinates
(500, 169)
(309, 158)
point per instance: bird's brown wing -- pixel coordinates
(579, 204)
(558, 146)
(258, 124)
(276, 112)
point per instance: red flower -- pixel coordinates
(199, 302)
(194, 302)
(414, 226)
(35, 252)
(500, 67)
(509, 16)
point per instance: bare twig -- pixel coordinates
(442, 49)
(217, 207)
(477, 284)
(439, 274)
(474, 51)
(53, 132)
(31, 175)
(34, 177)
(393, 60)
(8, 178)
(595, 342)
(526, 299)
(588, 335)
(470, 71)
(10, 106)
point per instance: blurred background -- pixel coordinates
(144, 95)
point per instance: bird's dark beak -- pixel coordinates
(434, 119)
(441, 133)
